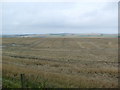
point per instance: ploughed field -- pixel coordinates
(60, 62)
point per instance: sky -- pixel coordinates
(59, 17)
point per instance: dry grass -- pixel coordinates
(63, 62)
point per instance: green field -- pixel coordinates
(60, 62)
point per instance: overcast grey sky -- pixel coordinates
(59, 17)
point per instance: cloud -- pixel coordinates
(63, 16)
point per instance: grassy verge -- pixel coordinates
(9, 82)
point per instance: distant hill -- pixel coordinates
(61, 35)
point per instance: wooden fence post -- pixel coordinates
(22, 76)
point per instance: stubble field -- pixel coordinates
(60, 62)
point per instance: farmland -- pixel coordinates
(60, 62)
